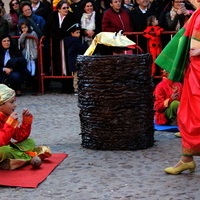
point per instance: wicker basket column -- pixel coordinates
(116, 102)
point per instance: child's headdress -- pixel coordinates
(6, 93)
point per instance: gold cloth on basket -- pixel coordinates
(109, 39)
(6, 93)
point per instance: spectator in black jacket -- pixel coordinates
(41, 9)
(139, 20)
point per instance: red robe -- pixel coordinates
(9, 129)
(163, 93)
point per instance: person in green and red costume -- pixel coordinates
(174, 58)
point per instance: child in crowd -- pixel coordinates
(74, 47)
(15, 154)
(28, 45)
(153, 32)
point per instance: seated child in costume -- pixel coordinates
(74, 47)
(14, 154)
(167, 99)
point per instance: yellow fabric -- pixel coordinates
(55, 2)
(13, 122)
(109, 39)
(6, 93)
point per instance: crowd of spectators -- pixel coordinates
(53, 18)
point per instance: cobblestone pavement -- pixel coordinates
(101, 175)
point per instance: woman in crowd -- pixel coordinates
(175, 18)
(128, 5)
(90, 21)
(36, 21)
(14, 13)
(55, 28)
(186, 44)
(5, 15)
(4, 28)
(12, 64)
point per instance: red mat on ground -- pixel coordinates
(30, 177)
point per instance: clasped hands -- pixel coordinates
(25, 112)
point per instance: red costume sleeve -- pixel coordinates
(9, 129)
(148, 32)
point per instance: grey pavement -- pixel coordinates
(88, 174)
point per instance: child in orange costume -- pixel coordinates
(153, 32)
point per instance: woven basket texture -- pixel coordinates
(116, 101)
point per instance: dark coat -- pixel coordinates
(51, 28)
(74, 47)
(17, 62)
(43, 11)
(139, 24)
(14, 52)
(4, 28)
(139, 19)
(76, 8)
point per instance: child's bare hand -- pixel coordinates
(26, 112)
(24, 32)
(14, 115)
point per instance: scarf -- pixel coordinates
(88, 23)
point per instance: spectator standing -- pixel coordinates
(41, 9)
(102, 5)
(138, 19)
(90, 21)
(175, 18)
(116, 18)
(58, 22)
(28, 46)
(36, 21)
(5, 15)
(14, 13)
(76, 9)
(47, 3)
(4, 28)
(153, 32)
(128, 5)
(158, 6)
